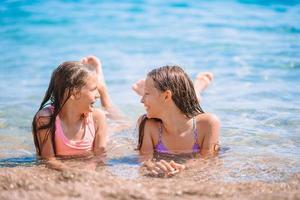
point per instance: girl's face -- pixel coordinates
(88, 94)
(152, 99)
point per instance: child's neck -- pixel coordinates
(175, 122)
(69, 115)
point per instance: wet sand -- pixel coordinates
(39, 182)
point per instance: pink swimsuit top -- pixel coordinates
(161, 148)
(66, 147)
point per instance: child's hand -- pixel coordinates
(164, 168)
(177, 166)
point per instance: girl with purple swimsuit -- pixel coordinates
(174, 123)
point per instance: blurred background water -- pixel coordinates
(252, 47)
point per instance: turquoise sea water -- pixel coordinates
(252, 47)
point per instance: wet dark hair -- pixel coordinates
(173, 78)
(67, 78)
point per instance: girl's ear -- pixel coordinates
(75, 94)
(168, 95)
(72, 97)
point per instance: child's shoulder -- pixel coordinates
(45, 112)
(207, 119)
(98, 115)
(43, 115)
(149, 123)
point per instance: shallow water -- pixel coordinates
(252, 47)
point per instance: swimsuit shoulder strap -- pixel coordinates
(195, 130)
(160, 132)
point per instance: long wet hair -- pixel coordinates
(173, 78)
(67, 79)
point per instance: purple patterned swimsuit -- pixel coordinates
(161, 148)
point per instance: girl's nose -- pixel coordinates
(97, 95)
(142, 99)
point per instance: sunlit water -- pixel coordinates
(252, 47)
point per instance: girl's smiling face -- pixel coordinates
(88, 94)
(152, 99)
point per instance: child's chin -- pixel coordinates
(91, 109)
(149, 115)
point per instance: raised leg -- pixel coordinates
(112, 111)
(201, 82)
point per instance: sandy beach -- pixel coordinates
(38, 182)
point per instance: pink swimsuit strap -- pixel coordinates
(66, 147)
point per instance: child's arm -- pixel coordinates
(147, 146)
(100, 140)
(45, 142)
(44, 135)
(208, 134)
(101, 129)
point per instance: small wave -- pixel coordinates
(18, 161)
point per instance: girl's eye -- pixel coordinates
(93, 89)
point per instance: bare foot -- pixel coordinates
(102, 89)
(96, 63)
(138, 87)
(202, 81)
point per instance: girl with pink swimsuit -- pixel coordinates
(67, 124)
